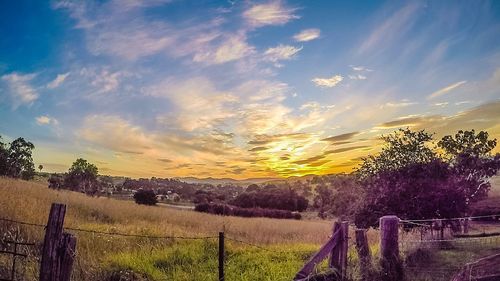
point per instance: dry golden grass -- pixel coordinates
(30, 201)
(97, 254)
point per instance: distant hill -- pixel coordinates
(216, 181)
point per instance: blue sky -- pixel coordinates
(241, 88)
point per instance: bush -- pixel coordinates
(145, 197)
(271, 197)
(228, 210)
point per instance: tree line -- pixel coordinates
(414, 177)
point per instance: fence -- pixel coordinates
(406, 253)
(345, 256)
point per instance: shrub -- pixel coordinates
(228, 210)
(145, 197)
(271, 197)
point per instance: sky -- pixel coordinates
(241, 89)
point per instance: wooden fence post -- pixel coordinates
(364, 254)
(466, 226)
(49, 266)
(392, 269)
(334, 255)
(67, 256)
(338, 258)
(221, 256)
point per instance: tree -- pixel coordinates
(469, 155)
(82, 176)
(467, 143)
(4, 156)
(19, 161)
(416, 191)
(145, 197)
(323, 200)
(403, 147)
(410, 180)
(40, 167)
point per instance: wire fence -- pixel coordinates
(169, 252)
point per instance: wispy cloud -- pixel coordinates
(393, 27)
(357, 77)
(403, 103)
(271, 13)
(234, 47)
(57, 81)
(445, 90)
(328, 82)
(20, 89)
(281, 52)
(360, 68)
(307, 35)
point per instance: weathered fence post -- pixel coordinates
(334, 255)
(49, 266)
(67, 257)
(58, 248)
(364, 254)
(221, 256)
(338, 258)
(392, 269)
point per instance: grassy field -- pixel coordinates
(284, 245)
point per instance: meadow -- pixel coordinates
(256, 248)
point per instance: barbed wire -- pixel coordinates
(447, 219)
(111, 233)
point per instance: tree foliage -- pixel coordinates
(145, 197)
(411, 180)
(16, 159)
(271, 197)
(403, 147)
(82, 176)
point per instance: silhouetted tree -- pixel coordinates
(423, 186)
(82, 176)
(145, 197)
(19, 160)
(403, 147)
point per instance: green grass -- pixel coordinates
(198, 260)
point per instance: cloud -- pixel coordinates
(271, 13)
(104, 80)
(341, 137)
(46, 120)
(281, 52)
(234, 47)
(360, 68)
(198, 104)
(357, 77)
(119, 30)
(20, 89)
(408, 122)
(393, 27)
(345, 149)
(328, 82)
(115, 133)
(307, 35)
(445, 90)
(258, 148)
(441, 104)
(57, 81)
(403, 103)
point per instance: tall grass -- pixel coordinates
(106, 257)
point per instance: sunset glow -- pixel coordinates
(241, 89)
